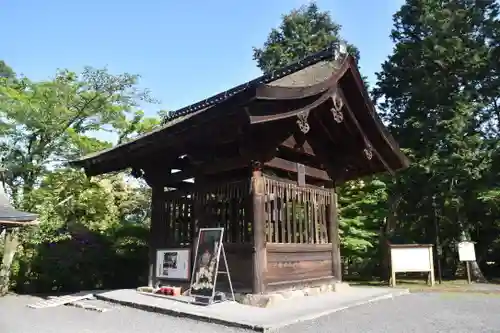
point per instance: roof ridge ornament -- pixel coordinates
(342, 48)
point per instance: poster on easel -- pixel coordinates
(206, 262)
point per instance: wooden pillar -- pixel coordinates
(333, 235)
(258, 228)
(157, 229)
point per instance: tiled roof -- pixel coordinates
(306, 71)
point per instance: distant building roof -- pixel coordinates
(9, 216)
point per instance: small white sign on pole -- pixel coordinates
(466, 251)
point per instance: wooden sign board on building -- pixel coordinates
(411, 258)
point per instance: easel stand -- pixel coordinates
(226, 271)
(201, 299)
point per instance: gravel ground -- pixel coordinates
(16, 317)
(414, 313)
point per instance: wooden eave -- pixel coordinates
(8, 223)
(306, 86)
(361, 123)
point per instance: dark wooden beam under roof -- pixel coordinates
(354, 88)
(343, 137)
(275, 116)
(360, 129)
(301, 147)
(289, 166)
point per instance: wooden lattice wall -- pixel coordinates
(223, 206)
(296, 214)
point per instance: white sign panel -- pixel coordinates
(411, 259)
(466, 251)
(173, 264)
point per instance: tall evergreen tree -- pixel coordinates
(437, 90)
(302, 31)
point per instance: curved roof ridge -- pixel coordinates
(328, 53)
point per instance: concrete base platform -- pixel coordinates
(259, 319)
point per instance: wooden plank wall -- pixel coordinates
(292, 264)
(239, 260)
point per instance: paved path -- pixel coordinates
(416, 313)
(244, 316)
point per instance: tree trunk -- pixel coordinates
(476, 273)
(10, 246)
(385, 233)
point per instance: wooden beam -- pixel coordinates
(353, 118)
(165, 177)
(333, 235)
(179, 176)
(177, 138)
(292, 143)
(183, 186)
(156, 231)
(223, 165)
(258, 227)
(343, 154)
(289, 166)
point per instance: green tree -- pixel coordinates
(5, 70)
(302, 31)
(438, 89)
(44, 124)
(88, 227)
(363, 210)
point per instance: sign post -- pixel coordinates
(412, 258)
(209, 248)
(467, 253)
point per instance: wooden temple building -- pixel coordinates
(265, 157)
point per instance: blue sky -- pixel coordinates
(184, 50)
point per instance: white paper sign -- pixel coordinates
(411, 259)
(466, 251)
(173, 264)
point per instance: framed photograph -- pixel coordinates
(206, 262)
(173, 264)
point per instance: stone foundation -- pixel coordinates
(272, 299)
